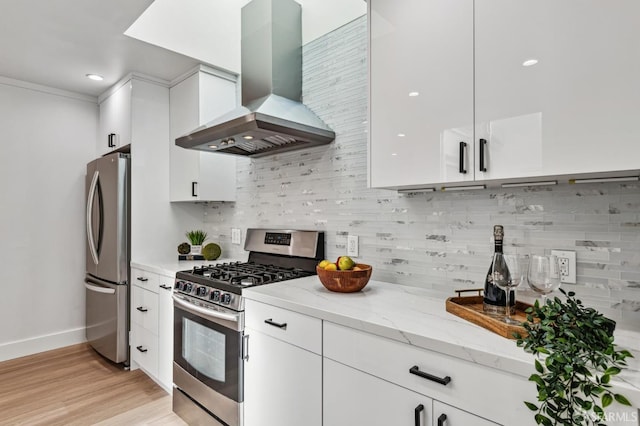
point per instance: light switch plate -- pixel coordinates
(352, 245)
(235, 236)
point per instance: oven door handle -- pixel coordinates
(197, 310)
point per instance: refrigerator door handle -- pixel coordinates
(99, 289)
(90, 199)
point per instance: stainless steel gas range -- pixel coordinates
(209, 342)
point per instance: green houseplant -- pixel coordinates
(196, 238)
(575, 360)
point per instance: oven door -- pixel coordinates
(208, 346)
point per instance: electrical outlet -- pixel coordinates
(235, 236)
(567, 265)
(352, 245)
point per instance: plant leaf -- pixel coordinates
(531, 406)
(539, 367)
(607, 399)
(622, 400)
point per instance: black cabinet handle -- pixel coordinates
(165, 287)
(141, 349)
(483, 144)
(463, 147)
(417, 412)
(442, 419)
(141, 309)
(143, 279)
(194, 185)
(275, 324)
(442, 380)
(110, 141)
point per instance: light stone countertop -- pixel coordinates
(415, 316)
(169, 267)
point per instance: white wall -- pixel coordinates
(47, 137)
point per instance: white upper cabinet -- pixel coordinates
(196, 100)
(421, 91)
(575, 110)
(454, 97)
(114, 130)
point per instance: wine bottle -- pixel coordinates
(494, 301)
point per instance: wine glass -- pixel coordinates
(544, 275)
(508, 273)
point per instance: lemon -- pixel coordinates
(331, 267)
(324, 263)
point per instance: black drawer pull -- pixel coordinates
(165, 287)
(110, 138)
(141, 349)
(442, 419)
(463, 147)
(483, 144)
(442, 380)
(194, 185)
(141, 309)
(143, 279)
(417, 411)
(275, 324)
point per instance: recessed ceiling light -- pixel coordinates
(248, 137)
(393, 153)
(213, 146)
(529, 62)
(401, 135)
(95, 77)
(412, 94)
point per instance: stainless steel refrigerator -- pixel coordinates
(107, 255)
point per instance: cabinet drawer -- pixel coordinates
(471, 387)
(144, 279)
(292, 327)
(144, 349)
(144, 309)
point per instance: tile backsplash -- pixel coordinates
(432, 240)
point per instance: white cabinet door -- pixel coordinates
(575, 110)
(144, 308)
(282, 383)
(114, 129)
(351, 397)
(195, 175)
(421, 91)
(165, 332)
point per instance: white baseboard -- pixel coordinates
(34, 345)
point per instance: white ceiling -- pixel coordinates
(56, 43)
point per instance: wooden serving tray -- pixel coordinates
(470, 309)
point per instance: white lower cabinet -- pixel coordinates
(462, 387)
(152, 326)
(351, 397)
(301, 370)
(283, 375)
(165, 332)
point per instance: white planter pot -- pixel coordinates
(196, 249)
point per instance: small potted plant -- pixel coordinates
(575, 361)
(196, 238)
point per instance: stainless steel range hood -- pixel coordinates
(272, 118)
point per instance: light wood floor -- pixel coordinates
(76, 386)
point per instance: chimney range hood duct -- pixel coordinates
(272, 118)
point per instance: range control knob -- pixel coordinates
(177, 285)
(202, 291)
(226, 298)
(215, 295)
(188, 287)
